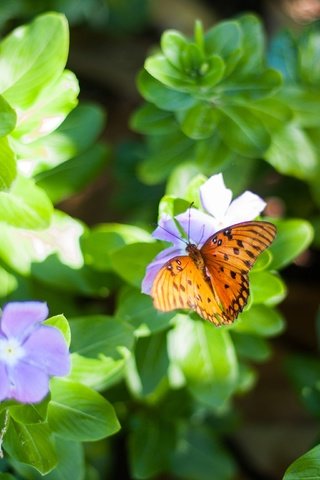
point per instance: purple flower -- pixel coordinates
(198, 225)
(30, 352)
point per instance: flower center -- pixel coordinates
(11, 351)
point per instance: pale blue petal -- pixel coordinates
(168, 231)
(198, 224)
(215, 197)
(4, 382)
(28, 384)
(47, 349)
(19, 318)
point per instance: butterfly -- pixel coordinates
(213, 280)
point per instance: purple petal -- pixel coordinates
(47, 349)
(168, 231)
(200, 224)
(19, 318)
(4, 382)
(245, 207)
(215, 197)
(154, 267)
(28, 384)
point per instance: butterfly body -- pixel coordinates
(213, 280)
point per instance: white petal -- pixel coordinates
(198, 225)
(215, 197)
(246, 207)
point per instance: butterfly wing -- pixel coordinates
(180, 284)
(229, 255)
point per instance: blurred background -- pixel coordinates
(109, 42)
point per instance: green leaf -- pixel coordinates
(99, 244)
(20, 248)
(137, 309)
(98, 374)
(149, 119)
(130, 261)
(151, 363)
(291, 152)
(71, 462)
(199, 121)
(166, 151)
(25, 205)
(73, 175)
(283, 55)
(49, 110)
(260, 320)
(252, 58)
(28, 414)
(163, 97)
(150, 445)
(267, 288)
(293, 237)
(206, 358)
(306, 467)
(8, 117)
(172, 44)
(251, 347)
(243, 132)
(78, 413)
(94, 335)
(309, 56)
(33, 56)
(199, 455)
(223, 39)
(38, 447)
(8, 169)
(8, 283)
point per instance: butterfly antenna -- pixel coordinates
(202, 234)
(172, 234)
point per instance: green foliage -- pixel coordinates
(305, 467)
(213, 103)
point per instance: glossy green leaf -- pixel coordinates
(8, 283)
(73, 175)
(78, 413)
(149, 119)
(309, 56)
(25, 205)
(8, 117)
(172, 44)
(151, 362)
(251, 347)
(206, 358)
(306, 467)
(49, 109)
(199, 121)
(292, 153)
(130, 261)
(266, 287)
(260, 320)
(38, 446)
(99, 244)
(293, 237)
(33, 56)
(243, 132)
(151, 442)
(252, 58)
(97, 373)
(8, 168)
(223, 39)
(71, 463)
(137, 309)
(94, 335)
(162, 96)
(20, 248)
(199, 455)
(29, 414)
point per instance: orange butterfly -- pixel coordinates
(213, 280)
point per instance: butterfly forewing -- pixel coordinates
(229, 255)
(180, 284)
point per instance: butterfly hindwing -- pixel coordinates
(180, 284)
(229, 256)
